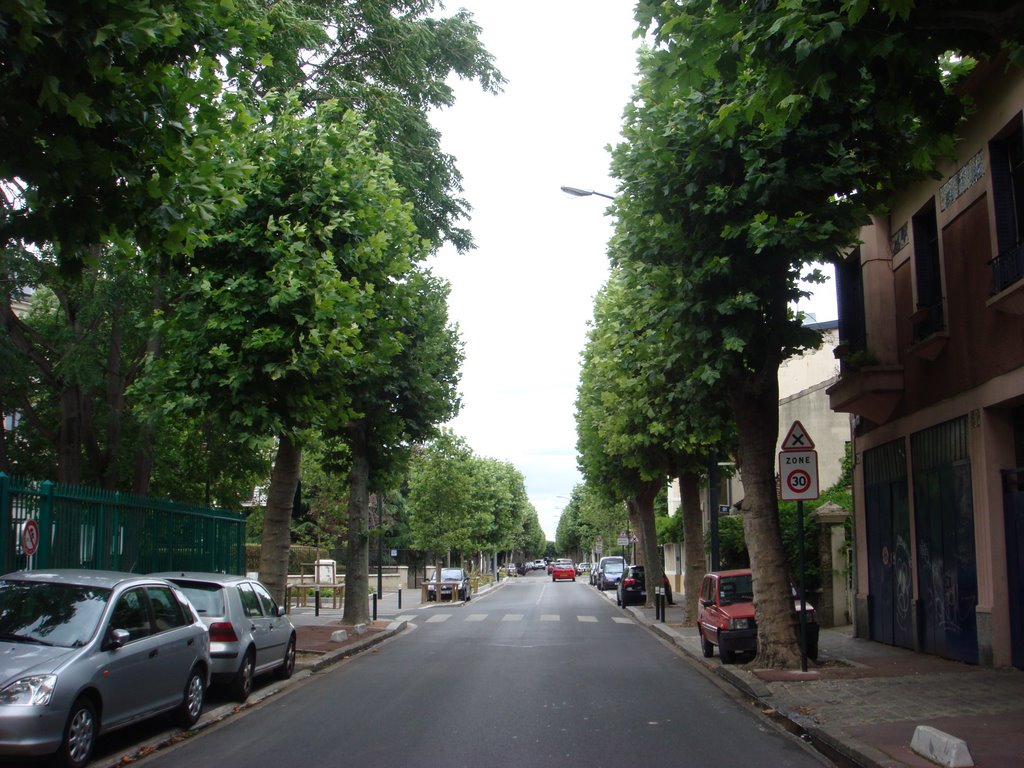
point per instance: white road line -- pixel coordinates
(512, 617)
(550, 617)
(587, 619)
(476, 617)
(437, 618)
(405, 617)
(622, 620)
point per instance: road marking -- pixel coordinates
(512, 617)
(622, 620)
(405, 617)
(550, 617)
(587, 619)
(476, 617)
(438, 618)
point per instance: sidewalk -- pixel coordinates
(864, 700)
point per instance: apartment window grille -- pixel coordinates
(1007, 158)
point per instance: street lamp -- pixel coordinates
(577, 192)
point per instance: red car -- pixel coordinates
(725, 616)
(563, 569)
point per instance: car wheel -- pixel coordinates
(191, 707)
(706, 648)
(288, 667)
(241, 685)
(79, 735)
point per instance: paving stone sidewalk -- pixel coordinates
(865, 699)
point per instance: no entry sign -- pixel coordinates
(30, 537)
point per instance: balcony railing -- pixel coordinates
(1007, 268)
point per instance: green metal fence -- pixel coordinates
(45, 525)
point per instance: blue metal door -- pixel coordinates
(946, 560)
(1013, 507)
(887, 515)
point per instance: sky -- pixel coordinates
(523, 297)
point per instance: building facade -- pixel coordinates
(931, 309)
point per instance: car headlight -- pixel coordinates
(32, 691)
(739, 623)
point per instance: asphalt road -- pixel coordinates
(534, 674)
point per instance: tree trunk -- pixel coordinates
(69, 448)
(277, 540)
(357, 547)
(694, 558)
(756, 411)
(641, 515)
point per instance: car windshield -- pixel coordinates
(451, 574)
(736, 589)
(49, 613)
(615, 566)
(207, 599)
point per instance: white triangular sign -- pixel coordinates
(797, 439)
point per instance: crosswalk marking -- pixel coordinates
(405, 617)
(587, 619)
(437, 618)
(622, 620)
(550, 617)
(512, 617)
(476, 617)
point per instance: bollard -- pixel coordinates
(316, 601)
(399, 598)
(374, 606)
(664, 605)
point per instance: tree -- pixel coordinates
(108, 117)
(759, 139)
(441, 496)
(269, 331)
(403, 385)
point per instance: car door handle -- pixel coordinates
(191, 641)
(153, 653)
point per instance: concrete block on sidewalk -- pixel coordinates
(941, 748)
(359, 629)
(339, 637)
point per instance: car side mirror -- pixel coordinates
(281, 611)
(706, 603)
(118, 637)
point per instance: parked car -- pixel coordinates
(563, 569)
(725, 616)
(631, 587)
(87, 652)
(249, 632)
(452, 579)
(582, 568)
(609, 571)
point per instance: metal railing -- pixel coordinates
(46, 525)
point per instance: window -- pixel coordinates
(250, 603)
(166, 609)
(850, 290)
(929, 318)
(132, 614)
(269, 606)
(1006, 156)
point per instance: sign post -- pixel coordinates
(798, 475)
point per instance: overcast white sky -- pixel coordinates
(523, 298)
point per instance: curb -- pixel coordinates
(333, 657)
(831, 743)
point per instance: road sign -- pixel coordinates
(623, 539)
(797, 439)
(798, 471)
(30, 537)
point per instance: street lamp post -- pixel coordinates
(577, 192)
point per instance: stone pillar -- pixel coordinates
(835, 608)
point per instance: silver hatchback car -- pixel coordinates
(249, 632)
(74, 646)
